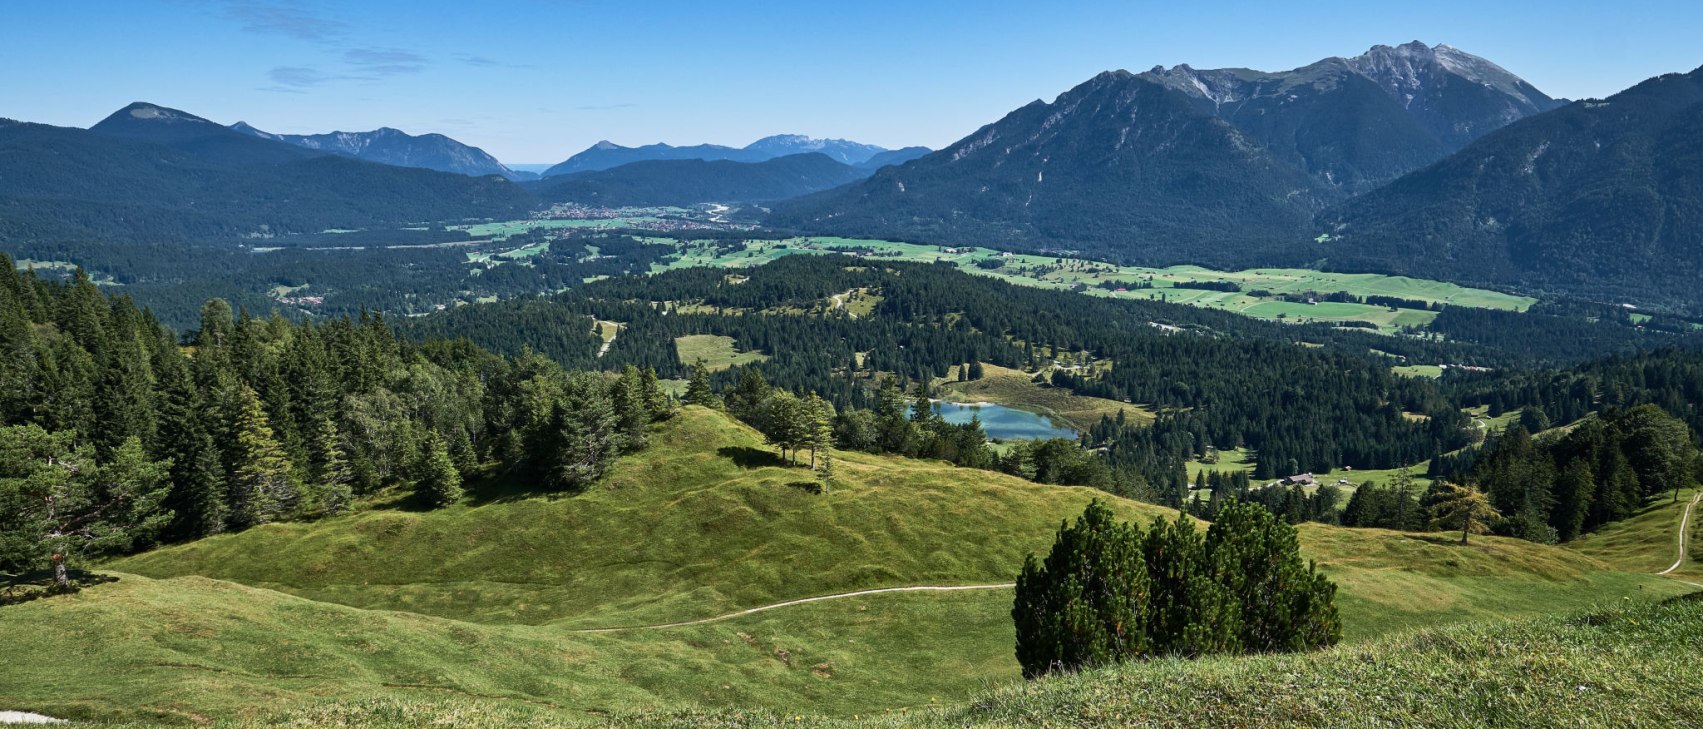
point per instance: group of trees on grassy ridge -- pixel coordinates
(900, 424)
(257, 420)
(1601, 471)
(1671, 379)
(1109, 592)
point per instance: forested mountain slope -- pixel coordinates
(395, 147)
(1602, 198)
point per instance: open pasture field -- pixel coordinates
(1168, 284)
(717, 352)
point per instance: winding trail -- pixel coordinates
(801, 601)
(1684, 523)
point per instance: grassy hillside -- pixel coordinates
(706, 521)
(490, 600)
(191, 648)
(1648, 542)
(1609, 667)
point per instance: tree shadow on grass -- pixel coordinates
(809, 487)
(15, 589)
(749, 458)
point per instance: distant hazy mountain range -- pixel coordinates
(1179, 164)
(689, 181)
(395, 147)
(606, 155)
(151, 173)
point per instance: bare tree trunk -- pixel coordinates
(62, 580)
(1466, 526)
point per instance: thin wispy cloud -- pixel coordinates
(384, 61)
(283, 17)
(603, 107)
(485, 62)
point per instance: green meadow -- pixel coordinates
(527, 602)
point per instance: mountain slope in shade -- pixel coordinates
(149, 173)
(1600, 198)
(1121, 163)
(395, 147)
(209, 141)
(1112, 177)
(691, 181)
(608, 155)
(893, 157)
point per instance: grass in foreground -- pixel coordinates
(1619, 665)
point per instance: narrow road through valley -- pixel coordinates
(789, 603)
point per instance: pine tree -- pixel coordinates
(61, 505)
(1190, 613)
(262, 487)
(1285, 604)
(698, 391)
(439, 482)
(1085, 604)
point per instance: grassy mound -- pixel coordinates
(704, 522)
(193, 649)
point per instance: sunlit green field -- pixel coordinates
(717, 352)
(1064, 273)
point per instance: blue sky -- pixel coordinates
(533, 81)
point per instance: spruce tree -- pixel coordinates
(332, 473)
(439, 482)
(262, 487)
(698, 390)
